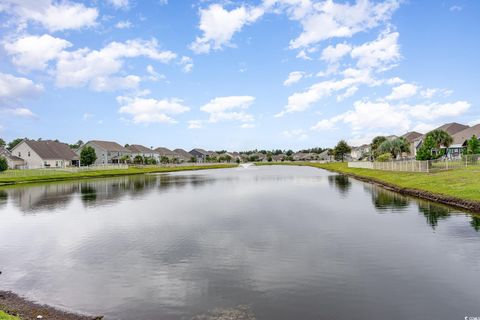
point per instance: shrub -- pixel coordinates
(384, 157)
(87, 156)
(3, 164)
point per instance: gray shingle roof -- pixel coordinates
(48, 149)
(138, 148)
(165, 152)
(461, 136)
(452, 127)
(109, 146)
(182, 153)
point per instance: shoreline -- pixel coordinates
(469, 205)
(17, 306)
(65, 176)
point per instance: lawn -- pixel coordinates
(5, 316)
(462, 183)
(29, 176)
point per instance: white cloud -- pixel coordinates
(124, 4)
(294, 77)
(432, 111)
(195, 124)
(247, 126)
(54, 16)
(403, 91)
(149, 110)
(187, 64)
(324, 125)
(102, 84)
(219, 25)
(333, 54)
(13, 88)
(456, 8)
(327, 19)
(154, 75)
(380, 54)
(85, 66)
(301, 101)
(123, 24)
(394, 81)
(297, 134)
(348, 93)
(230, 108)
(19, 112)
(34, 52)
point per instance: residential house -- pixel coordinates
(44, 154)
(325, 156)
(165, 152)
(199, 154)
(13, 162)
(460, 140)
(451, 128)
(182, 155)
(108, 152)
(302, 156)
(142, 151)
(358, 153)
(412, 137)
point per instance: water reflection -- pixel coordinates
(475, 223)
(434, 212)
(385, 199)
(341, 182)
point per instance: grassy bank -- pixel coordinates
(461, 183)
(31, 176)
(5, 316)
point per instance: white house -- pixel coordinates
(13, 162)
(144, 152)
(44, 154)
(107, 152)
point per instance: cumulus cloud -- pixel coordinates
(54, 16)
(90, 67)
(34, 52)
(327, 19)
(403, 91)
(149, 110)
(293, 77)
(123, 24)
(380, 54)
(13, 91)
(195, 124)
(19, 112)
(230, 108)
(218, 26)
(123, 4)
(333, 54)
(186, 63)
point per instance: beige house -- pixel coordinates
(44, 154)
(13, 162)
(107, 152)
(144, 152)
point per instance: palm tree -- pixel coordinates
(440, 138)
(396, 147)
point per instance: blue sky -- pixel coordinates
(236, 74)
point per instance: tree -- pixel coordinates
(2, 143)
(164, 160)
(425, 150)
(87, 156)
(440, 138)
(3, 164)
(376, 142)
(76, 145)
(12, 144)
(341, 150)
(395, 147)
(473, 145)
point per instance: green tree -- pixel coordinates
(12, 144)
(341, 150)
(3, 164)
(395, 147)
(2, 143)
(164, 160)
(425, 150)
(384, 157)
(76, 145)
(376, 142)
(440, 138)
(87, 156)
(473, 145)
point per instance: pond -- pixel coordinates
(273, 242)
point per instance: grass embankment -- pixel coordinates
(5, 316)
(463, 183)
(31, 176)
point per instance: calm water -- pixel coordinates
(268, 243)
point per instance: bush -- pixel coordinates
(3, 164)
(87, 156)
(384, 157)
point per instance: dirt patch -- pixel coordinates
(14, 305)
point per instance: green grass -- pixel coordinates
(31, 176)
(5, 316)
(462, 183)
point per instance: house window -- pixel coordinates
(29, 153)
(56, 163)
(19, 154)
